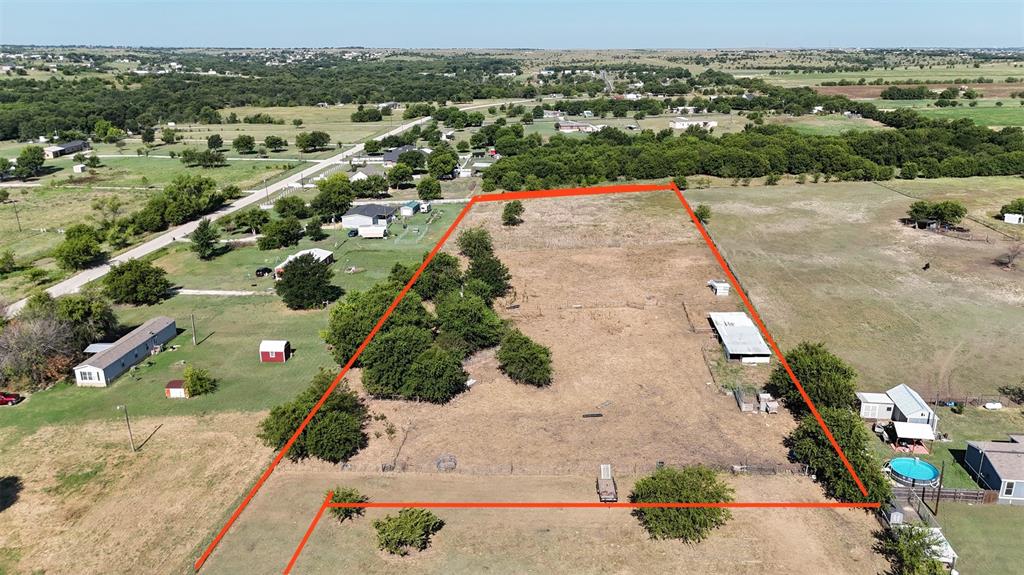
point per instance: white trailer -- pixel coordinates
(377, 232)
(606, 489)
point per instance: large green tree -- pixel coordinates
(491, 271)
(442, 275)
(694, 484)
(30, 161)
(428, 189)
(435, 376)
(524, 360)
(306, 284)
(828, 380)
(280, 233)
(811, 446)
(475, 242)
(205, 239)
(352, 319)
(335, 433)
(244, 144)
(78, 252)
(469, 318)
(334, 197)
(136, 282)
(387, 359)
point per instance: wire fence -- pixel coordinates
(450, 465)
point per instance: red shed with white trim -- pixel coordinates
(275, 351)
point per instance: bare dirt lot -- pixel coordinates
(85, 504)
(611, 308)
(810, 542)
(993, 90)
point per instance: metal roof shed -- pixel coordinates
(740, 337)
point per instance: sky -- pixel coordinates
(556, 24)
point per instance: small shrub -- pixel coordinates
(411, 529)
(347, 495)
(198, 381)
(524, 360)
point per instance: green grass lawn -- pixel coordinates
(373, 258)
(986, 113)
(143, 172)
(986, 537)
(824, 125)
(975, 424)
(229, 331)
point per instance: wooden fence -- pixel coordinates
(946, 494)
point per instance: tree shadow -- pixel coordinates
(10, 490)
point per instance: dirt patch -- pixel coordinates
(620, 321)
(89, 505)
(811, 542)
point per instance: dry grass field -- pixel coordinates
(542, 541)
(832, 263)
(86, 504)
(608, 290)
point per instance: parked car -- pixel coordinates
(10, 398)
(263, 272)
(353, 233)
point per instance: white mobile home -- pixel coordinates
(102, 368)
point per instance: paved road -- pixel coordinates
(77, 281)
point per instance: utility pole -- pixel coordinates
(193, 316)
(938, 494)
(16, 217)
(128, 423)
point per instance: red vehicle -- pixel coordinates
(10, 398)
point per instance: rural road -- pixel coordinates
(77, 281)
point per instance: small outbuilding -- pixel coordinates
(410, 208)
(740, 337)
(910, 407)
(1014, 219)
(175, 389)
(875, 406)
(79, 168)
(720, 287)
(275, 351)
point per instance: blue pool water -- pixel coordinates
(915, 469)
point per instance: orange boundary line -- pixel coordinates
(526, 195)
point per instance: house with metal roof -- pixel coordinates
(999, 465)
(740, 337)
(908, 406)
(143, 341)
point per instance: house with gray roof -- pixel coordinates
(999, 465)
(143, 341)
(363, 215)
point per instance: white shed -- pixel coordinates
(79, 168)
(1013, 218)
(875, 406)
(910, 407)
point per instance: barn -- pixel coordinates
(740, 337)
(275, 351)
(143, 341)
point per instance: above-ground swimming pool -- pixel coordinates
(913, 471)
